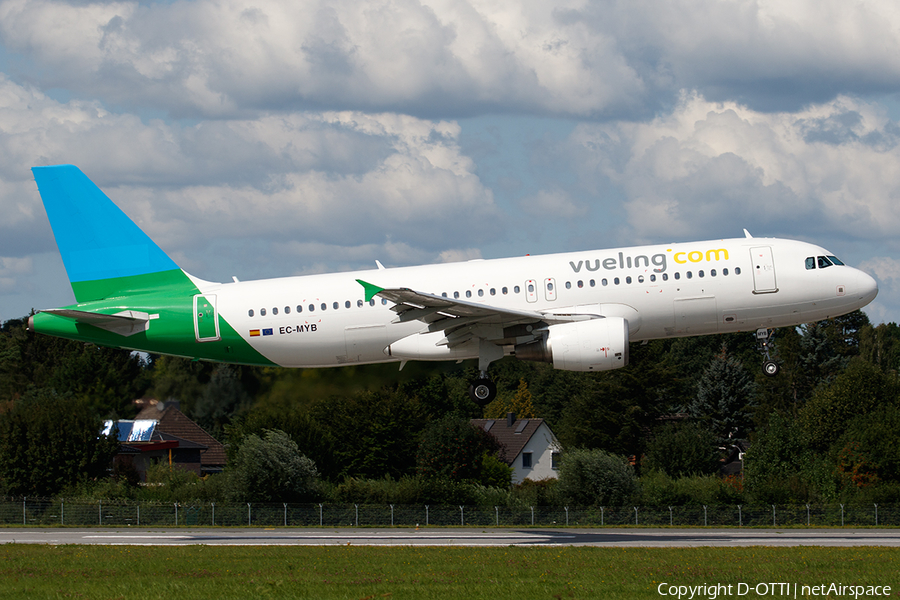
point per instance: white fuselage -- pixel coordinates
(671, 290)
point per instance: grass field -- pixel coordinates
(224, 572)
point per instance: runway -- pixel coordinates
(469, 537)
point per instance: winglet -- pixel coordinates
(371, 290)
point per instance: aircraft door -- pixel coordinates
(206, 318)
(763, 270)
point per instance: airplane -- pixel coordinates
(578, 311)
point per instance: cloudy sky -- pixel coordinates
(261, 138)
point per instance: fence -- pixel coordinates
(78, 512)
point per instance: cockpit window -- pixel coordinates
(835, 260)
(823, 262)
(810, 262)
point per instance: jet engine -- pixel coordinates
(593, 345)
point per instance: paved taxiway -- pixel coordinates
(608, 537)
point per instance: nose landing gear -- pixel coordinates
(764, 340)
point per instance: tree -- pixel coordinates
(49, 442)
(453, 448)
(856, 391)
(222, 398)
(595, 477)
(109, 379)
(373, 434)
(519, 404)
(682, 449)
(724, 398)
(271, 469)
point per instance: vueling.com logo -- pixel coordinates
(658, 261)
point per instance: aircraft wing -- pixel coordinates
(452, 315)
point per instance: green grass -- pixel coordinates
(321, 573)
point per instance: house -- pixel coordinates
(162, 433)
(527, 445)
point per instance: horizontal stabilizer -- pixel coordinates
(125, 323)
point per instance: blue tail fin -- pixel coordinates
(103, 251)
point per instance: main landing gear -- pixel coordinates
(764, 339)
(482, 390)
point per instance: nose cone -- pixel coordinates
(866, 287)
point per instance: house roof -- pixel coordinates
(173, 422)
(512, 437)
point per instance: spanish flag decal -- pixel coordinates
(254, 333)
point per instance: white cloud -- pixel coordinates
(709, 169)
(552, 204)
(339, 179)
(222, 58)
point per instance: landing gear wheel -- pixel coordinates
(771, 368)
(764, 339)
(482, 391)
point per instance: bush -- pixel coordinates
(595, 477)
(534, 493)
(271, 469)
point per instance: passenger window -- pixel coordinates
(480, 293)
(665, 276)
(517, 289)
(604, 282)
(593, 283)
(262, 312)
(299, 308)
(287, 310)
(250, 312)
(312, 308)
(505, 291)
(690, 275)
(640, 279)
(810, 263)
(468, 293)
(616, 281)
(725, 271)
(372, 302)
(324, 306)
(677, 275)
(347, 304)
(384, 301)
(737, 270)
(568, 285)
(274, 311)
(580, 283)
(493, 292)
(359, 303)
(653, 278)
(712, 272)
(530, 288)
(628, 279)
(700, 273)
(335, 306)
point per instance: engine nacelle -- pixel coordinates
(594, 345)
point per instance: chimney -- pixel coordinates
(510, 419)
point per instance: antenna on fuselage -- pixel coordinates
(747, 234)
